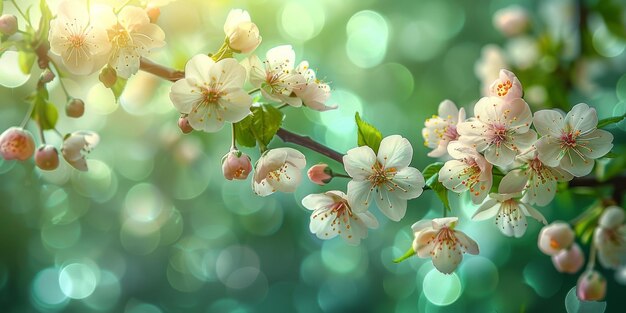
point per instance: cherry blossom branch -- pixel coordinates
(618, 183)
(307, 142)
(160, 70)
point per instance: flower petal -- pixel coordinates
(390, 203)
(596, 144)
(468, 244)
(359, 195)
(513, 181)
(548, 122)
(582, 118)
(317, 201)
(198, 68)
(573, 163)
(409, 182)
(447, 258)
(548, 151)
(358, 162)
(487, 210)
(395, 152)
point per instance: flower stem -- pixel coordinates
(161, 71)
(307, 142)
(254, 91)
(41, 135)
(592, 256)
(233, 142)
(282, 106)
(22, 13)
(340, 175)
(409, 253)
(58, 75)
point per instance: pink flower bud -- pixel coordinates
(8, 24)
(555, 237)
(47, 76)
(47, 157)
(511, 21)
(236, 165)
(612, 217)
(108, 76)
(320, 174)
(153, 14)
(16, 143)
(183, 124)
(591, 286)
(569, 260)
(75, 108)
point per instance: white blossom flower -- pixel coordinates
(77, 145)
(276, 75)
(278, 170)
(440, 129)
(386, 175)
(469, 171)
(610, 238)
(507, 86)
(537, 180)
(571, 142)
(315, 92)
(499, 129)
(132, 37)
(332, 216)
(82, 43)
(211, 93)
(438, 239)
(510, 213)
(555, 237)
(512, 20)
(243, 35)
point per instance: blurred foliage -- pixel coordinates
(153, 226)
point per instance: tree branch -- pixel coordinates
(307, 142)
(160, 70)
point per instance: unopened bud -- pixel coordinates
(16, 143)
(236, 165)
(555, 237)
(108, 76)
(153, 13)
(75, 108)
(320, 174)
(569, 260)
(183, 124)
(8, 24)
(47, 76)
(612, 217)
(47, 157)
(591, 286)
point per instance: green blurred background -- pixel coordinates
(153, 226)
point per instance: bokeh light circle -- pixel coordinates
(442, 289)
(46, 292)
(11, 75)
(368, 33)
(302, 20)
(77, 280)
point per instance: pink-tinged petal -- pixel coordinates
(359, 162)
(549, 122)
(198, 68)
(270, 161)
(499, 156)
(596, 144)
(575, 164)
(480, 191)
(524, 141)
(281, 57)
(582, 118)
(409, 183)
(472, 134)
(487, 210)
(449, 222)
(390, 203)
(255, 70)
(424, 243)
(459, 150)
(513, 181)
(507, 86)
(569, 260)
(395, 152)
(450, 176)
(184, 96)
(532, 212)
(228, 73)
(360, 195)
(612, 217)
(317, 201)
(447, 258)
(468, 244)
(549, 151)
(421, 225)
(447, 110)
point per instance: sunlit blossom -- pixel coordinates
(278, 169)
(469, 171)
(439, 130)
(510, 213)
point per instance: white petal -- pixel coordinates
(359, 195)
(447, 258)
(513, 181)
(548, 122)
(269, 162)
(421, 225)
(575, 164)
(499, 156)
(480, 191)
(511, 223)
(317, 201)
(393, 206)
(487, 210)
(410, 183)
(184, 96)
(198, 68)
(228, 73)
(263, 188)
(468, 244)
(534, 213)
(582, 118)
(450, 175)
(235, 106)
(281, 57)
(524, 141)
(472, 133)
(321, 224)
(447, 110)
(288, 179)
(424, 243)
(358, 162)
(295, 157)
(596, 144)
(549, 151)
(395, 152)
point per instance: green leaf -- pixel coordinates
(431, 171)
(244, 136)
(44, 113)
(26, 61)
(260, 126)
(610, 121)
(44, 22)
(1, 6)
(441, 191)
(611, 155)
(368, 135)
(118, 87)
(607, 168)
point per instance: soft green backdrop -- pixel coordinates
(153, 227)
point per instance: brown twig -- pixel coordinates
(307, 142)
(161, 71)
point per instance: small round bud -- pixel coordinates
(569, 260)
(108, 76)
(555, 237)
(511, 21)
(47, 157)
(241, 34)
(75, 108)
(47, 76)
(320, 174)
(8, 24)
(612, 217)
(153, 13)
(236, 165)
(591, 286)
(183, 124)
(16, 143)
